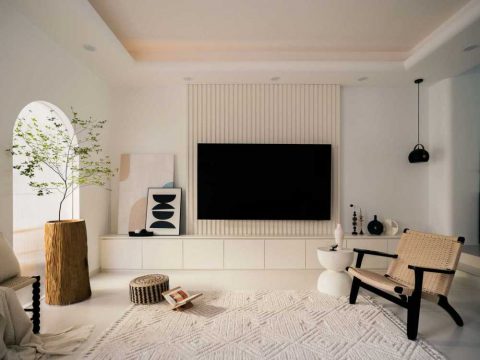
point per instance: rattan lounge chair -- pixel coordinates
(10, 277)
(424, 266)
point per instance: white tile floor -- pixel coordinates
(110, 299)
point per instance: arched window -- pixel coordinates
(30, 211)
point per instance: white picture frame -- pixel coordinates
(163, 211)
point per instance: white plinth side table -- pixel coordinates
(334, 280)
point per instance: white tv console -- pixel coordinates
(190, 252)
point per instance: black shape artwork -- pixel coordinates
(163, 207)
(163, 211)
(162, 215)
(162, 225)
(163, 199)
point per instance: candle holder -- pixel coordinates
(354, 220)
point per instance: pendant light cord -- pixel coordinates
(418, 113)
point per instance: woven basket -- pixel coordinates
(148, 289)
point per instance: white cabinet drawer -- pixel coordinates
(285, 254)
(203, 254)
(244, 254)
(370, 261)
(121, 254)
(162, 254)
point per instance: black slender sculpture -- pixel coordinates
(354, 220)
(418, 154)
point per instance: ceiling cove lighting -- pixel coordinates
(418, 154)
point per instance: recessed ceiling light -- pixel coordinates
(187, 78)
(275, 78)
(89, 47)
(363, 78)
(471, 47)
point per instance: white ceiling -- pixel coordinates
(252, 30)
(433, 51)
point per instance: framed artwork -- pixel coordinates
(163, 211)
(139, 172)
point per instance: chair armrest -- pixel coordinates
(376, 253)
(419, 271)
(434, 270)
(362, 252)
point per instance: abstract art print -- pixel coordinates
(163, 211)
(138, 172)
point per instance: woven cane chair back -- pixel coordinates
(427, 250)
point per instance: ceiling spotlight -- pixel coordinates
(89, 47)
(187, 78)
(275, 78)
(471, 47)
(363, 78)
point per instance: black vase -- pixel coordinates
(375, 227)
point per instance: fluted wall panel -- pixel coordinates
(264, 114)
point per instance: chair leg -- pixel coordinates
(36, 305)
(444, 304)
(413, 316)
(354, 290)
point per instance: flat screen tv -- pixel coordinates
(264, 181)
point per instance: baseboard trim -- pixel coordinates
(94, 272)
(469, 269)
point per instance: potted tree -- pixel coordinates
(74, 160)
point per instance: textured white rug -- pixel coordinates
(261, 325)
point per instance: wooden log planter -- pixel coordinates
(67, 279)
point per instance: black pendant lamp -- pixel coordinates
(418, 154)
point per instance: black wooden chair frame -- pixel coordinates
(412, 302)
(35, 309)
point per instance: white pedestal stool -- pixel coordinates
(334, 280)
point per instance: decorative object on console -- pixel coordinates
(418, 154)
(339, 236)
(163, 211)
(138, 172)
(391, 227)
(148, 289)
(354, 220)
(140, 233)
(375, 227)
(360, 222)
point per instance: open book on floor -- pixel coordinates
(179, 298)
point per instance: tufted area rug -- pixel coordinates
(261, 325)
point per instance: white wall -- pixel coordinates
(454, 181)
(379, 129)
(150, 120)
(378, 132)
(32, 67)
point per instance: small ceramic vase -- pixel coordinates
(339, 236)
(375, 227)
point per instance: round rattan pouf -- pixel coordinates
(148, 289)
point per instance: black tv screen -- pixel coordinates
(263, 181)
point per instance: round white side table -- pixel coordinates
(334, 280)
